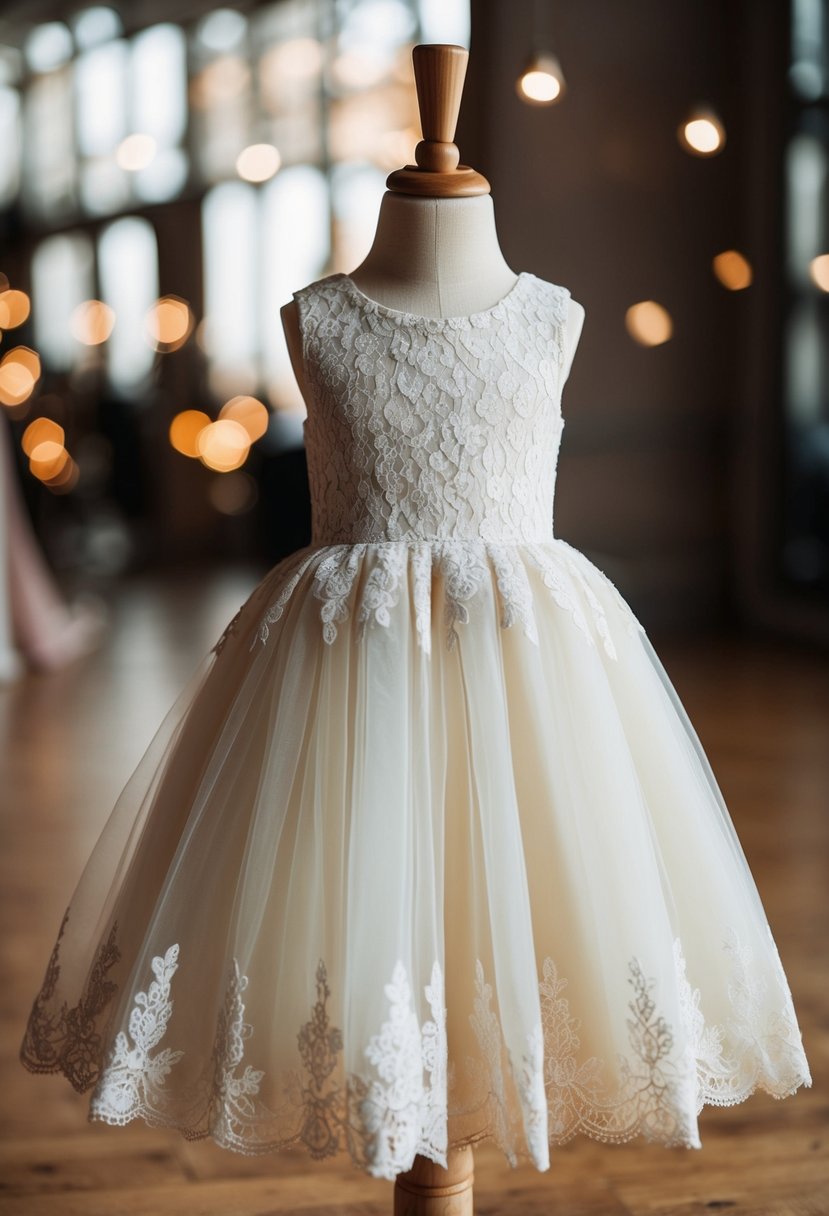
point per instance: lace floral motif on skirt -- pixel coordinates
(465, 566)
(400, 1103)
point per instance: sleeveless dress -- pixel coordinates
(427, 850)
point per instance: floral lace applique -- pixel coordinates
(369, 579)
(398, 1106)
(234, 1110)
(129, 1084)
(69, 1040)
(402, 1116)
(319, 1046)
(432, 1139)
(484, 1021)
(529, 1075)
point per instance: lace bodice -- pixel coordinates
(424, 428)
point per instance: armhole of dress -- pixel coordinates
(561, 318)
(300, 297)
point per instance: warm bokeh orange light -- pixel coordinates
(41, 431)
(248, 411)
(15, 307)
(48, 459)
(223, 445)
(732, 270)
(169, 323)
(92, 322)
(184, 431)
(648, 323)
(819, 271)
(19, 372)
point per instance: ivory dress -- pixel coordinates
(426, 851)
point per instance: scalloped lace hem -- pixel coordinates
(537, 1094)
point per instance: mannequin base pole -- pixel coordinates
(427, 1189)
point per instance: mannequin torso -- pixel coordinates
(435, 257)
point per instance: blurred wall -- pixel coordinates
(596, 193)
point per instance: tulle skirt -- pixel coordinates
(426, 852)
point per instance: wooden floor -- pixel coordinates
(69, 741)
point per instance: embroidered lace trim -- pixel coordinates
(466, 566)
(400, 1103)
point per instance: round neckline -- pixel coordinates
(463, 319)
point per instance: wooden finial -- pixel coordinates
(439, 70)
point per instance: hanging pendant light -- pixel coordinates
(541, 83)
(702, 133)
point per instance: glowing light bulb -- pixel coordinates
(542, 81)
(702, 133)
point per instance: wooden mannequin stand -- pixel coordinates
(427, 1189)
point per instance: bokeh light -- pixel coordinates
(702, 133)
(47, 459)
(15, 307)
(542, 82)
(95, 25)
(48, 46)
(732, 270)
(92, 322)
(250, 413)
(136, 152)
(184, 431)
(819, 271)
(42, 430)
(19, 372)
(648, 323)
(258, 162)
(169, 323)
(219, 82)
(222, 29)
(223, 445)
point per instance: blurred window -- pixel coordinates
(62, 278)
(805, 386)
(281, 123)
(128, 269)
